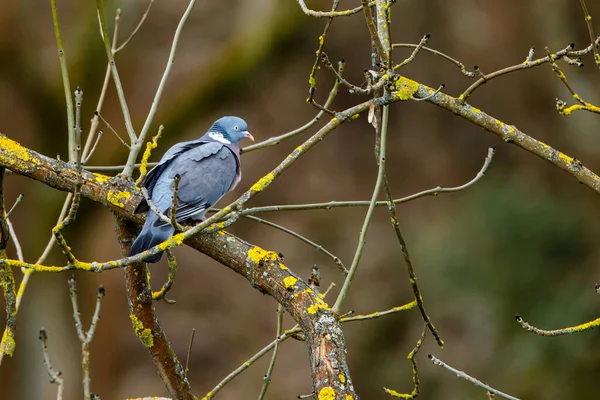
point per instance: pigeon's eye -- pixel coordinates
(237, 128)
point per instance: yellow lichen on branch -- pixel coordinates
(262, 183)
(144, 334)
(117, 198)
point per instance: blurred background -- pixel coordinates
(522, 240)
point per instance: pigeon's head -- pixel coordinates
(229, 130)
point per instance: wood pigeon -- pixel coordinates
(208, 168)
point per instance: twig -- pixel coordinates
(338, 75)
(160, 295)
(55, 376)
(15, 240)
(136, 145)
(439, 89)
(460, 65)
(93, 149)
(15, 204)
(267, 378)
(335, 204)
(85, 337)
(588, 22)
(110, 128)
(331, 14)
(115, 72)
(187, 358)
(312, 80)
(415, 371)
(335, 258)
(416, 51)
(561, 106)
(379, 314)
(77, 127)
(64, 70)
(87, 151)
(286, 335)
(461, 374)
(159, 213)
(373, 32)
(409, 266)
(367, 221)
(557, 332)
(175, 201)
(567, 51)
(137, 28)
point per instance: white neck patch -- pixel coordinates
(218, 137)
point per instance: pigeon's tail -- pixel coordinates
(149, 237)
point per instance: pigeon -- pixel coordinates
(207, 167)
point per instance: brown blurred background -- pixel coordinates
(523, 240)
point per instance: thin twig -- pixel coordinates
(588, 21)
(461, 374)
(335, 204)
(460, 65)
(85, 337)
(160, 295)
(15, 240)
(312, 80)
(409, 266)
(335, 258)
(415, 371)
(189, 352)
(286, 335)
(267, 378)
(115, 72)
(416, 51)
(88, 151)
(379, 314)
(110, 128)
(373, 32)
(55, 376)
(15, 204)
(567, 51)
(164, 218)
(93, 149)
(64, 70)
(557, 332)
(137, 28)
(136, 146)
(367, 221)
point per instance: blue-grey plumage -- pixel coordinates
(208, 168)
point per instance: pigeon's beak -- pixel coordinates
(248, 135)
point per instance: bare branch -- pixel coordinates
(137, 145)
(137, 28)
(461, 374)
(558, 332)
(367, 221)
(267, 378)
(62, 58)
(335, 258)
(55, 376)
(415, 371)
